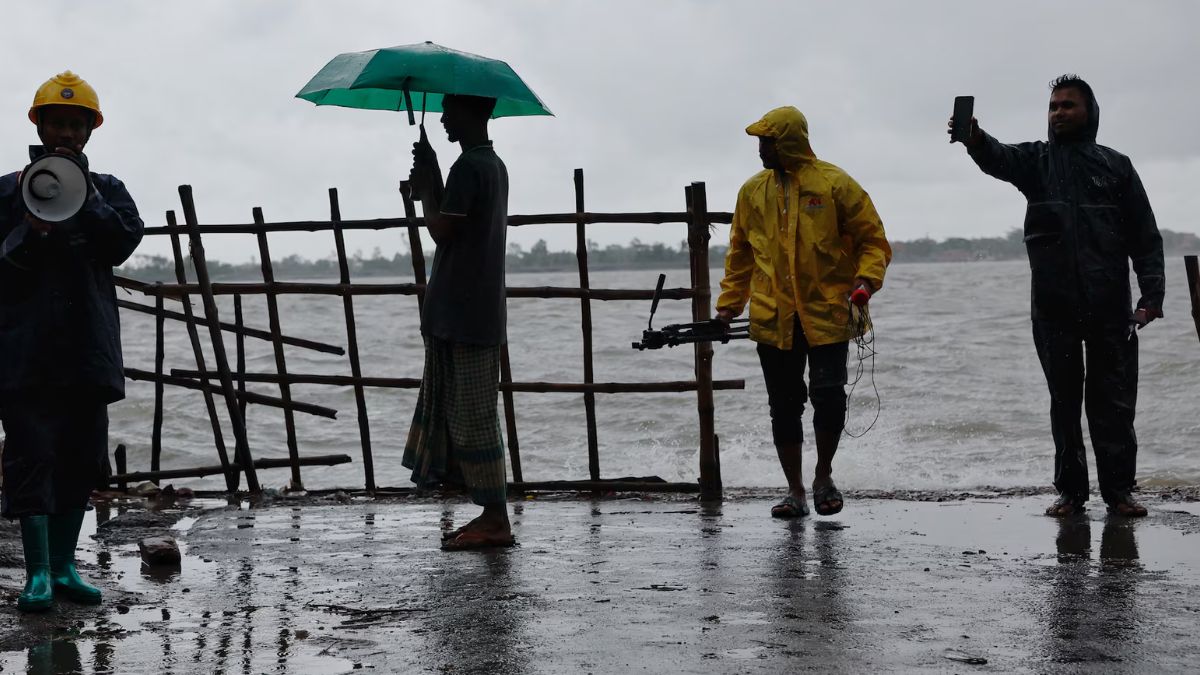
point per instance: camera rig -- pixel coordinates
(712, 330)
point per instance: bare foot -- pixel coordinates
(490, 528)
(450, 534)
(475, 539)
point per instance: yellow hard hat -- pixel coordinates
(66, 88)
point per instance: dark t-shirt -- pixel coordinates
(464, 301)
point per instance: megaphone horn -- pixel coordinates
(54, 187)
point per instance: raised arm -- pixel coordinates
(1010, 163)
(426, 181)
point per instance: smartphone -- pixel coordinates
(964, 109)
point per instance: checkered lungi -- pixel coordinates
(455, 430)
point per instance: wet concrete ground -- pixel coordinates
(665, 585)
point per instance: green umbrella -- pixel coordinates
(417, 77)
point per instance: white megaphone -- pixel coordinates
(54, 187)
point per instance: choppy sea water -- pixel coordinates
(962, 403)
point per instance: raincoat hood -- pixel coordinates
(789, 128)
(1088, 135)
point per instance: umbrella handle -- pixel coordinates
(412, 120)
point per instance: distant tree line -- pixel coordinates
(635, 255)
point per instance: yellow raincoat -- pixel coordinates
(799, 248)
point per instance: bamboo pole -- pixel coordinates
(1193, 278)
(285, 390)
(250, 397)
(604, 486)
(232, 477)
(698, 237)
(228, 327)
(510, 413)
(335, 380)
(506, 383)
(416, 251)
(589, 398)
(242, 444)
(643, 218)
(202, 471)
(304, 288)
(156, 432)
(360, 399)
(240, 346)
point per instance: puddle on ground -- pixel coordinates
(81, 654)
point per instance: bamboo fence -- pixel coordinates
(225, 383)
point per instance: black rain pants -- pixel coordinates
(1101, 379)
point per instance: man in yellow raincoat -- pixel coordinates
(805, 235)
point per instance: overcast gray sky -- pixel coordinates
(648, 97)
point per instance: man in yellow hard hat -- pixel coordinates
(805, 236)
(60, 345)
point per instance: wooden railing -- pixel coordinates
(226, 382)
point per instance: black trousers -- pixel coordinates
(783, 371)
(53, 453)
(1101, 379)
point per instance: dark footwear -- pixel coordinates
(38, 594)
(824, 496)
(1125, 505)
(474, 539)
(64, 536)
(790, 507)
(1065, 505)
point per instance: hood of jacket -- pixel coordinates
(789, 128)
(1088, 135)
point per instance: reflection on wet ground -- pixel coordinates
(621, 585)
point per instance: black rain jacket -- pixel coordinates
(1087, 217)
(59, 327)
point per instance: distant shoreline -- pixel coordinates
(252, 271)
(614, 257)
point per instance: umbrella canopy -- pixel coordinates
(416, 77)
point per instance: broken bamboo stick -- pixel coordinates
(232, 478)
(213, 387)
(202, 471)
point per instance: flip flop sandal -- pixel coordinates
(824, 494)
(1065, 505)
(789, 507)
(451, 534)
(471, 541)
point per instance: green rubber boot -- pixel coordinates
(64, 535)
(39, 588)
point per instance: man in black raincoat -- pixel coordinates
(1087, 218)
(60, 346)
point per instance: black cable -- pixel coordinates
(864, 342)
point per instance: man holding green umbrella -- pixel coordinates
(455, 433)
